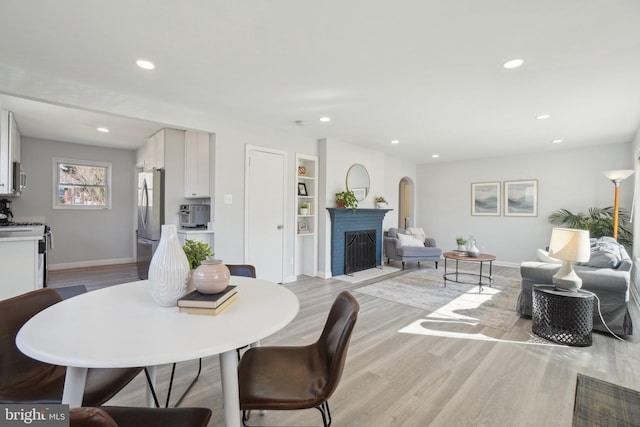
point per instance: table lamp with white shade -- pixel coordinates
(570, 245)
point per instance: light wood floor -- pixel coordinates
(404, 379)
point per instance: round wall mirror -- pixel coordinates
(358, 181)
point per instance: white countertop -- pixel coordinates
(35, 233)
(194, 230)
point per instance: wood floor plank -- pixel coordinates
(487, 377)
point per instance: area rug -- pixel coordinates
(368, 274)
(599, 403)
(494, 307)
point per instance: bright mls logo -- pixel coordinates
(34, 415)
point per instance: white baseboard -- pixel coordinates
(92, 263)
(324, 275)
(506, 264)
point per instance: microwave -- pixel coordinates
(194, 216)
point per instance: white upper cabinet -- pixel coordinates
(155, 151)
(10, 176)
(196, 165)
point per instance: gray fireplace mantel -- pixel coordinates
(347, 219)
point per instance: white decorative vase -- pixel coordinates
(211, 277)
(169, 269)
(473, 250)
(381, 205)
(304, 211)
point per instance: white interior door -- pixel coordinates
(265, 207)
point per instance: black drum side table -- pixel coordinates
(563, 317)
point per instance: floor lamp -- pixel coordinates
(617, 176)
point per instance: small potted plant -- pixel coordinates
(196, 252)
(462, 243)
(304, 209)
(381, 203)
(346, 199)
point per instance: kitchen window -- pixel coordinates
(81, 184)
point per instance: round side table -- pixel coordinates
(563, 317)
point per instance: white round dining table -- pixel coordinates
(121, 326)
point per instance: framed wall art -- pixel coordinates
(303, 227)
(521, 198)
(485, 198)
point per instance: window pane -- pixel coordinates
(80, 184)
(81, 196)
(80, 174)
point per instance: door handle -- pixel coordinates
(280, 226)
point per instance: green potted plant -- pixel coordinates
(346, 199)
(304, 209)
(196, 252)
(599, 222)
(381, 202)
(461, 242)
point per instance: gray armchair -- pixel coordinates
(394, 249)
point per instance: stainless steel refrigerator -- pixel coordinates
(150, 217)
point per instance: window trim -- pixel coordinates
(56, 184)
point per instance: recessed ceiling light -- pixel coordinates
(325, 119)
(543, 116)
(556, 141)
(435, 156)
(395, 141)
(105, 130)
(147, 65)
(513, 63)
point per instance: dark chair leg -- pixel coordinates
(436, 265)
(245, 417)
(403, 265)
(173, 370)
(153, 391)
(326, 413)
(418, 264)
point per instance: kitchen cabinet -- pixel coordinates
(11, 179)
(19, 265)
(155, 151)
(196, 165)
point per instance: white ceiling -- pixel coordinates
(427, 73)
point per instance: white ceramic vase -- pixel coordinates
(169, 269)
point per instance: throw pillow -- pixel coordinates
(543, 256)
(605, 253)
(418, 233)
(409, 240)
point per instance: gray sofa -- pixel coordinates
(395, 250)
(611, 286)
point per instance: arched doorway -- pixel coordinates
(405, 203)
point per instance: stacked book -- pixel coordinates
(460, 253)
(209, 304)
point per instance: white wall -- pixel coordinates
(81, 237)
(231, 140)
(570, 179)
